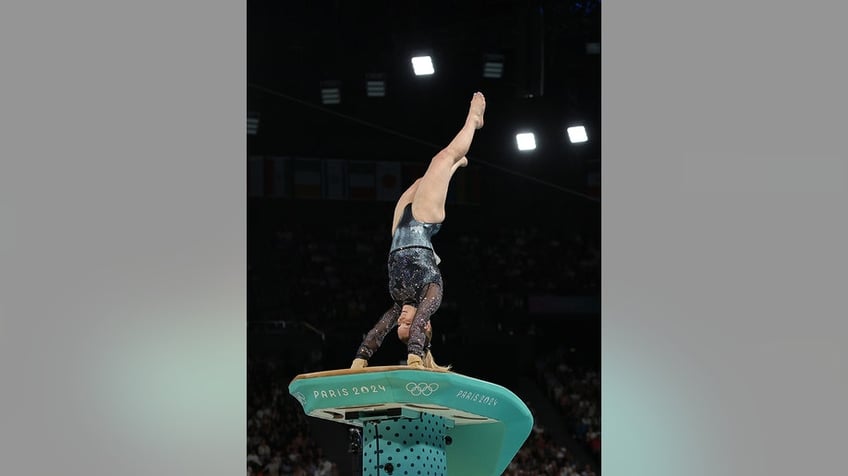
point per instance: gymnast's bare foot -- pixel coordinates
(476, 110)
(462, 162)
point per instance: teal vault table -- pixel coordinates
(420, 422)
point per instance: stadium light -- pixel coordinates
(331, 92)
(422, 65)
(375, 86)
(493, 66)
(525, 141)
(252, 123)
(577, 134)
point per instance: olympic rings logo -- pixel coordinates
(424, 389)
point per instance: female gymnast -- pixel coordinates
(415, 283)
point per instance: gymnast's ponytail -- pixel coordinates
(430, 363)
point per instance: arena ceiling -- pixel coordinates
(550, 79)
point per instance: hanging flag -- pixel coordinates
(334, 179)
(361, 181)
(465, 187)
(307, 178)
(388, 181)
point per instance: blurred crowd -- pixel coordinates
(324, 273)
(540, 456)
(279, 442)
(576, 391)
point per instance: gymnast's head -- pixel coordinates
(405, 323)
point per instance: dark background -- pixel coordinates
(525, 228)
(548, 83)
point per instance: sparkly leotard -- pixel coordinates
(415, 279)
(412, 261)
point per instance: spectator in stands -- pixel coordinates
(273, 467)
(415, 282)
(278, 424)
(263, 451)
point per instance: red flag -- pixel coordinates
(388, 181)
(361, 180)
(307, 178)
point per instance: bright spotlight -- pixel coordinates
(577, 134)
(525, 141)
(422, 65)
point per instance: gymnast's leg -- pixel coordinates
(403, 201)
(428, 205)
(429, 301)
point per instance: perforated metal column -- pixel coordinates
(405, 447)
